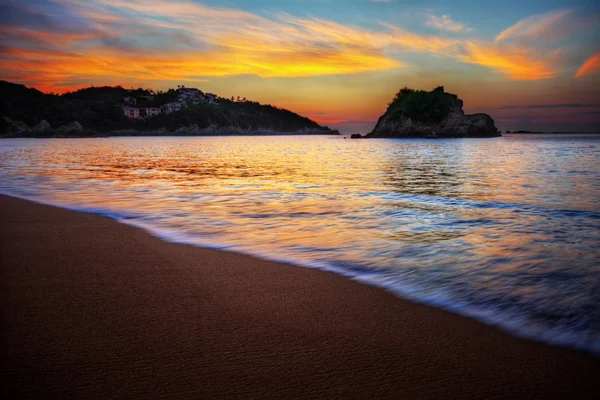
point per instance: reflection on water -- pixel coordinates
(504, 230)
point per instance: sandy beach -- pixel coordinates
(92, 308)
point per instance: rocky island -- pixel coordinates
(116, 111)
(435, 114)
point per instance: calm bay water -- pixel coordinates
(504, 230)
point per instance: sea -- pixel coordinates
(505, 231)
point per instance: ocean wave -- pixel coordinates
(492, 313)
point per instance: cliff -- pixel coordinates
(434, 114)
(98, 111)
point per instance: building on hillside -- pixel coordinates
(174, 106)
(150, 98)
(149, 111)
(130, 100)
(131, 112)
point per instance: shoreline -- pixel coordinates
(81, 320)
(554, 337)
(162, 135)
(128, 133)
(268, 134)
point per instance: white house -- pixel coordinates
(149, 111)
(171, 107)
(131, 112)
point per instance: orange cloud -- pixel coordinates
(515, 62)
(143, 40)
(215, 41)
(590, 65)
(49, 69)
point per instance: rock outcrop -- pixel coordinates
(435, 114)
(15, 128)
(236, 130)
(70, 129)
(42, 127)
(316, 131)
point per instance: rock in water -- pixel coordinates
(42, 127)
(15, 128)
(356, 136)
(434, 114)
(69, 129)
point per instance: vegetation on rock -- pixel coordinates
(422, 105)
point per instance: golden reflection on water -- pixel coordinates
(483, 221)
(304, 185)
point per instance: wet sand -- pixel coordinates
(96, 309)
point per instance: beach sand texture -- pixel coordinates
(92, 308)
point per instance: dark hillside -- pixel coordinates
(99, 110)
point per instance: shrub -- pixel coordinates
(421, 105)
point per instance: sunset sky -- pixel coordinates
(530, 64)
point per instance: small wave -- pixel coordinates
(488, 312)
(498, 205)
